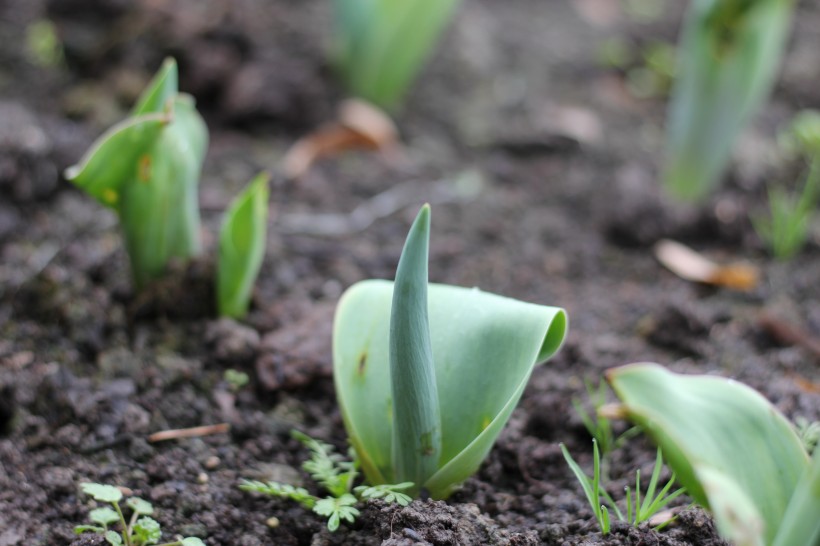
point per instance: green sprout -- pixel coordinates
(380, 45)
(428, 375)
(786, 227)
(638, 510)
(139, 530)
(729, 54)
(242, 247)
(336, 475)
(731, 449)
(147, 169)
(236, 379)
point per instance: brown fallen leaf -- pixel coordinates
(788, 334)
(692, 266)
(359, 126)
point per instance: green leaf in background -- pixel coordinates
(380, 45)
(147, 168)
(730, 51)
(484, 349)
(416, 419)
(242, 247)
(731, 449)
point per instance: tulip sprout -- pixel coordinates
(428, 375)
(729, 54)
(380, 45)
(731, 449)
(147, 169)
(242, 248)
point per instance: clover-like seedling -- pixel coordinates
(427, 376)
(336, 475)
(380, 45)
(731, 449)
(140, 530)
(729, 54)
(242, 248)
(147, 169)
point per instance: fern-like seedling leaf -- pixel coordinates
(282, 490)
(337, 509)
(390, 493)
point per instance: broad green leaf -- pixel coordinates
(140, 506)
(737, 518)
(113, 159)
(417, 424)
(484, 349)
(104, 516)
(730, 51)
(102, 493)
(163, 86)
(381, 44)
(715, 432)
(147, 530)
(242, 247)
(801, 524)
(159, 208)
(113, 538)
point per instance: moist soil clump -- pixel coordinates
(525, 204)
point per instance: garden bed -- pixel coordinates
(542, 169)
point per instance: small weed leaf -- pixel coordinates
(102, 493)
(192, 541)
(337, 509)
(147, 531)
(80, 529)
(388, 493)
(140, 506)
(113, 538)
(275, 489)
(104, 516)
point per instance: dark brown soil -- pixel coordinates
(542, 170)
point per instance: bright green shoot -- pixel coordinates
(380, 45)
(598, 425)
(730, 51)
(731, 449)
(242, 248)
(336, 475)
(147, 169)
(638, 508)
(139, 530)
(425, 385)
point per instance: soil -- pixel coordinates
(542, 167)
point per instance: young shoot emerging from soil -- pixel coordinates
(336, 476)
(140, 530)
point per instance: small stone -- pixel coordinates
(272, 522)
(212, 462)
(202, 478)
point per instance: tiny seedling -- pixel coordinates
(729, 54)
(380, 45)
(786, 227)
(638, 509)
(147, 169)
(598, 425)
(235, 379)
(336, 475)
(140, 530)
(242, 248)
(731, 449)
(426, 385)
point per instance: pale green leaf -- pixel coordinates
(242, 247)
(484, 349)
(140, 506)
(723, 430)
(113, 538)
(801, 523)
(104, 516)
(102, 493)
(191, 541)
(730, 51)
